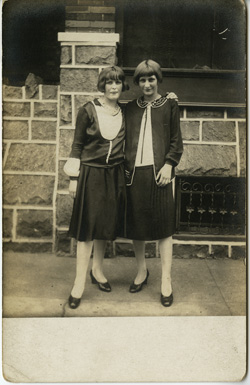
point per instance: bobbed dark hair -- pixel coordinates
(113, 73)
(147, 68)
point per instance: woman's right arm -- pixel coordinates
(72, 166)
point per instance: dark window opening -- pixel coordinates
(200, 45)
(30, 43)
(206, 34)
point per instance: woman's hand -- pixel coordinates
(164, 175)
(72, 187)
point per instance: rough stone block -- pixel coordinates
(207, 160)
(190, 251)
(109, 250)
(82, 80)
(80, 100)
(12, 92)
(43, 109)
(65, 142)
(7, 223)
(63, 243)
(49, 92)
(236, 113)
(218, 131)
(31, 157)
(25, 247)
(238, 252)
(15, 129)
(124, 249)
(16, 109)
(190, 130)
(63, 179)
(43, 130)
(64, 210)
(32, 94)
(65, 109)
(150, 250)
(66, 55)
(203, 112)
(95, 55)
(219, 251)
(28, 190)
(32, 86)
(34, 224)
(242, 145)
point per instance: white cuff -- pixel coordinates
(72, 167)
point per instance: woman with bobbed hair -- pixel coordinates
(153, 147)
(96, 170)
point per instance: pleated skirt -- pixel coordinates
(99, 205)
(150, 211)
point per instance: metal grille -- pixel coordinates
(211, 205)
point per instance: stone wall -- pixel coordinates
(214, 142)
(30, 116)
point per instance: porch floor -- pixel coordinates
(38, 285)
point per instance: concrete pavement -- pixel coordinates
(38, 285)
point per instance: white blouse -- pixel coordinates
(109, 124)
(144, 155)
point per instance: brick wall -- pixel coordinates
(90, 16)
(29, 167)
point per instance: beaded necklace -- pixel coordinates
(154, 104)
(112, 110)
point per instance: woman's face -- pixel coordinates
(149, 85)
(113, 89)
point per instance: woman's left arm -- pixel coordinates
(174, 154)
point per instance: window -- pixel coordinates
(182, 34)
(30, 40)
(190, 40)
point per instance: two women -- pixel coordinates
(96, 173)
(153, 147)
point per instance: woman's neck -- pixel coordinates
(150, 98)
(108, 102)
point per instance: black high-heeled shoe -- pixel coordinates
(167, 301)
(134, 288)
(102, 286)
(74, 302)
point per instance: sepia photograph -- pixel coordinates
(124, 188)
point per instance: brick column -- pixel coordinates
(83, 56)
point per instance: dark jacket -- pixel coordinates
(166, 135)
(89, 146)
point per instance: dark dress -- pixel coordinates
(99, 205)
(150, 213)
